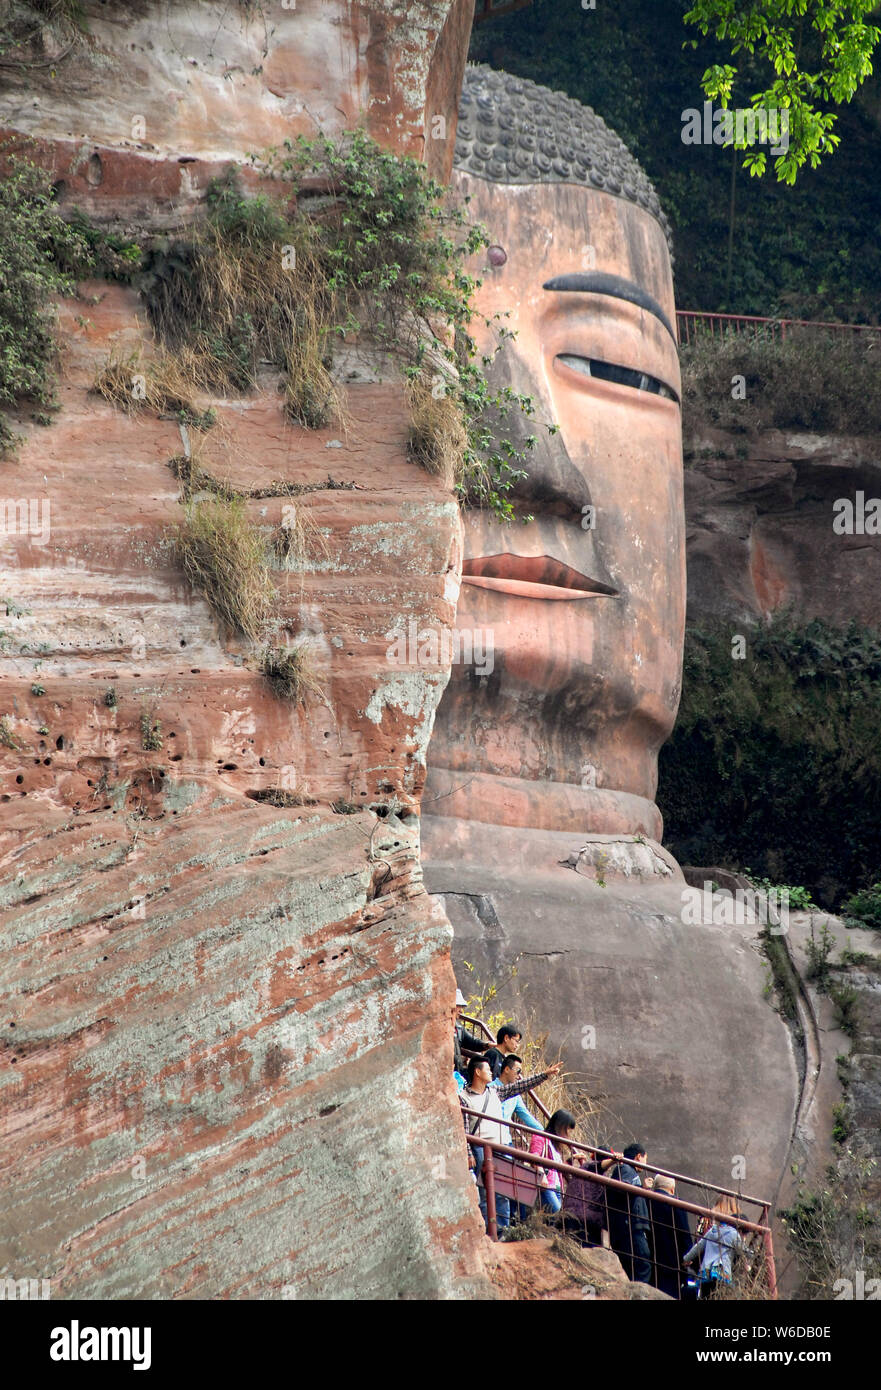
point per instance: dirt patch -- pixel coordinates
(558, 1269)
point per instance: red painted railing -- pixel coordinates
(692, 322)
(755, 1231)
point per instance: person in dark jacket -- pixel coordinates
(584, 1216)
(672, 1238)
(629, 1219)
(507, 1042)
(462, 1039)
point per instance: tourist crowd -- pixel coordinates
(656, 1247)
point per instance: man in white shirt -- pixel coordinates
(481, 1095)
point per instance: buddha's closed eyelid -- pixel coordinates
(601, 370)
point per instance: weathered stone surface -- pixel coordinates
(156, 97)
(558, 1270)
(225, 1024)
(664, 1024)
(759, 528)
(842, 1080)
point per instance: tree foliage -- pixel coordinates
(805, 251)
(775, 760)
(811, 54)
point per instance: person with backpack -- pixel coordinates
(507, 1042)
(716, 1248)
(583, 1215)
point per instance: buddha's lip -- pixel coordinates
(532, 576)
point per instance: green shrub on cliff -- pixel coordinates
(393, 251)
(865, 906)
(810, 381)
(41, 255)
(775, 760)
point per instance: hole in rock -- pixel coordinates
(59, 742)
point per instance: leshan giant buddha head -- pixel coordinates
(585, 604)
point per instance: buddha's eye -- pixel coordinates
(622, 376)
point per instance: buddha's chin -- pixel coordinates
(517, 802)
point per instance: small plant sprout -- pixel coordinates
(151, 732)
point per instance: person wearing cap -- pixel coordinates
(462, 1040)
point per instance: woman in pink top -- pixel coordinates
(561, 1125)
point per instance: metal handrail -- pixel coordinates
(569, 1170)
(606, 1153)
(691, 318)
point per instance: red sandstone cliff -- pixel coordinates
(224, 1028)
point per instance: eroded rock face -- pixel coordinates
(156, 96)
(760, 536)
(225, 1022)
(225, 1019)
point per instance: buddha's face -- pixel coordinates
(585, 603)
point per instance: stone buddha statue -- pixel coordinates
(540, 829)
(586, 601)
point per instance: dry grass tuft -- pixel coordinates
(164, 384)
(279, 796)
(298, 541)
(247, 297)
(223, 553)
(437, 438)
(291, 673)
(311, 396)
